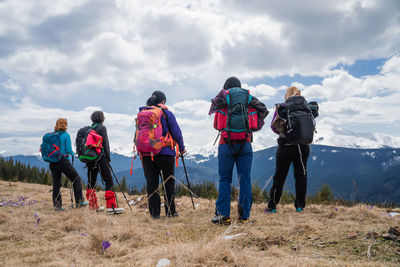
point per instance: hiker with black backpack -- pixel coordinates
(237, 115)
(294, 122)
(159, 142)
(56, 149)
(100, 163)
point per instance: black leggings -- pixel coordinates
(102, 166)
(152, 170)
(285, 156)
(58, 168)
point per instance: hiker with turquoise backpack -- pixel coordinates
(159, 143)
(237, 115)
(93, 149)
(56, 149)
(294, 122)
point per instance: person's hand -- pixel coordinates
(182, 153)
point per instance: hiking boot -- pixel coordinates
(299, 210)
(221, 219)
(112, 211)
(82, 204)
(270, 210)
(59, 208)
(155, 217)
(175, 214)
(101, 208)
(243, 220)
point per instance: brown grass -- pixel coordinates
(316, 237)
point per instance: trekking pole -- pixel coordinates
(70, 188)
(122, 191)
(187, 179)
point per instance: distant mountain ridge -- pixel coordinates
(376, 172)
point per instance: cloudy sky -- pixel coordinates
(69, 58)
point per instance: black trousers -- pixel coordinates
(152, 172)
(102, 166)
(58, 168)
(285, 156)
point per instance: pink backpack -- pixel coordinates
(148, 138)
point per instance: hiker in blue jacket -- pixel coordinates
(163, 162)
(231, 152)
(65, 166)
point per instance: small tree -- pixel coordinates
(324, 195)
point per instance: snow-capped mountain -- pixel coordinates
(339, 137)
(326, 135)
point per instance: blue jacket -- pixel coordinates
(66, 148)
(173, 128)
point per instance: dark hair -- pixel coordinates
(97, 116)
(156, 98)
(232, 82)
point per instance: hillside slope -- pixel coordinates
(33, 234)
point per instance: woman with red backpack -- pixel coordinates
(101, 165)
(161, 162)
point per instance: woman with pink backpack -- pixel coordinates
(156, 147)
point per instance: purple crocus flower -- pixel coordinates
(336, 209)
(105, 245)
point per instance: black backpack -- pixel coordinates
(86, 154)
(300, 124)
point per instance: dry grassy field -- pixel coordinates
(33, 234)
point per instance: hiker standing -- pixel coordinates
(64, 166)
(294, 122)
(159, 159)
(237, 115)
(102, 165)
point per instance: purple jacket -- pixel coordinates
(173, 128)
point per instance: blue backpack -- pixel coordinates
(50, 147)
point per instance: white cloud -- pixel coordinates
(261, 91)
(73, 56)
(123, 45)
(12, 85)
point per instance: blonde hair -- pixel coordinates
(61, 125)
(291, 91)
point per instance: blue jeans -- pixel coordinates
(226, 160)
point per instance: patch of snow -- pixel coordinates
(370, 154)
(393, 162)
(271, 158)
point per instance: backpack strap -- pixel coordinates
(173, 143)
(94, 126)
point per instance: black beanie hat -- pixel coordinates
(156, 98)
(232, 82)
